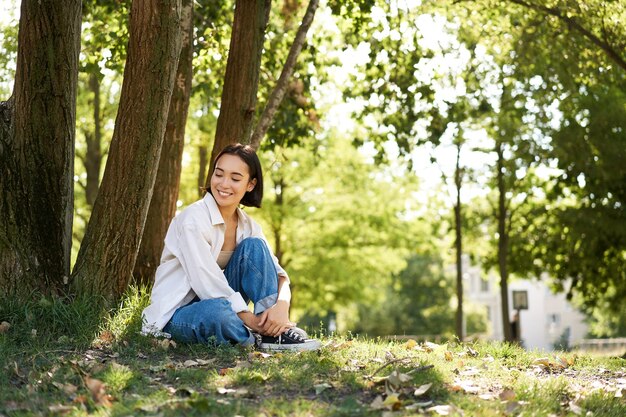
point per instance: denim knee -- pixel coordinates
(253, 243)
(203, 320)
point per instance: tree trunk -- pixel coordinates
(109, 249)
(503, 245)
(203, 154)
(239, 95)
(165, 194)
(93, 158)
(277, 220)
(37, 131)
(281, 86)
(459, 247)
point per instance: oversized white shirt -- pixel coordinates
(188, 264)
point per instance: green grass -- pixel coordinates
(82, 360)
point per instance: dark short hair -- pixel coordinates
(248, 155)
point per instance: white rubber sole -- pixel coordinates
(310, 344)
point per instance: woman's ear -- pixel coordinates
(251, 184)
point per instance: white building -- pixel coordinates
(549, 319)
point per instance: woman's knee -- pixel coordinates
(253, 243)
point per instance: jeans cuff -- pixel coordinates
(265, 303)
(250, 341)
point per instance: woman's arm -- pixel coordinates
(275, 320)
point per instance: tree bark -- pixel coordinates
(109, 249)
(203, 154)
(37, 133)
(239, 95)
(93, 158)
(459, 247)
(281, 85)
(165, 193)
(503, 245)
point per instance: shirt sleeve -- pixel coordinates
(205, 277)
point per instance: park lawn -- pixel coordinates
(117, 372)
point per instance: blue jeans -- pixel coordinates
(250, 272)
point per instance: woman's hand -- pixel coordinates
(251, 320)
(275, 320)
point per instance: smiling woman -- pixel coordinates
(216, 260)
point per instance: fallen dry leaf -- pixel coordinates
(466, 386)
(189, 363)
(442, 410)
(342, 345)
(392, 402)
(397, 379)
(512, 406)
(319, 388)
(97, 389)
(69, 389)
(507, 395)
(166, 343)
(107, 336)
(59, 408)
(574, 408)
(422, 389)
(377, 404)
(472, 352)
(542, 361)
(258, 355)
(429, 346)
(222, 390)
(224, 371)
(410, 344)
(448, 355)
(5, 326)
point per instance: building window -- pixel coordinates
(484, 285)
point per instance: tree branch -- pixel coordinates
(281, 86)
(605, 46)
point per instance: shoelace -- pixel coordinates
(294, 335)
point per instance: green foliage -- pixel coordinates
(339, 222)
(8, 56)
(418, 302)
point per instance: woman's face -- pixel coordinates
(230, 180)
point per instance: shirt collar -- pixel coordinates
(216, 215)
(214, 211)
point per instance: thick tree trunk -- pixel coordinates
(109, 249)
(459, 247)
(239, 95)
(165, 194)
(37, 128)
(93, 158)
(503, 246)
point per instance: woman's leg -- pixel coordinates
(200, 321)
(251, 272)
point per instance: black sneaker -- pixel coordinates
(289, 340)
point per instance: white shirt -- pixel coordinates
(188, 264)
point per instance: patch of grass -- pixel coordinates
(84, 361)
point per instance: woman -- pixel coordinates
(216, 259)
